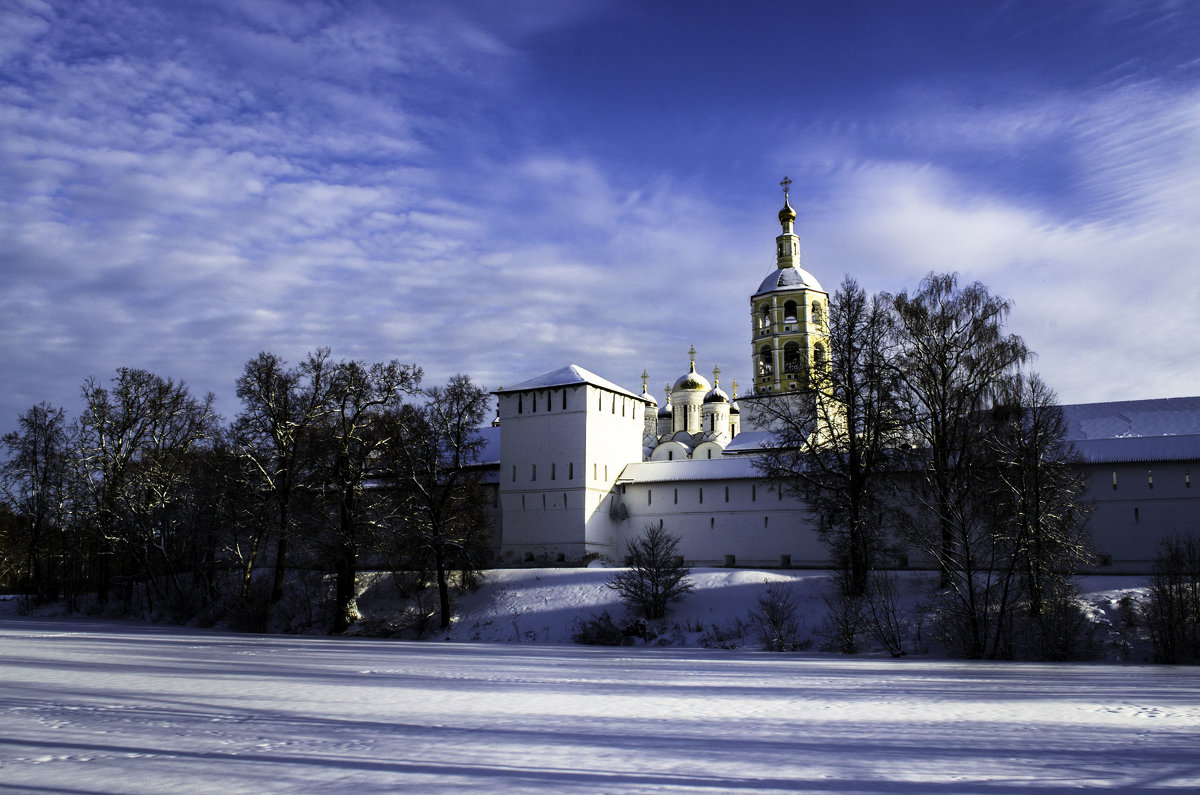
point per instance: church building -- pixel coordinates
(580, 464)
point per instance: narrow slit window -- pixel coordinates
(726, 494)
(1114, 480)
(571, 471)
(676, 496)
(649, 496)
(701, 495)
(1136, 516)
(1149, 479)
(533, 471)
(553, 471)
(1187, 479)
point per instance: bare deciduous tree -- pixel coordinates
(656, 577)
(33, 480)
(833, 442)
(433, 468)
(279, 408)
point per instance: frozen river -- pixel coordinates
(102, 707)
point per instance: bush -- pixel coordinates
(775, 618)
(600, 630)
(656, 576)
(730, 634)
(844, 623)
(1172, 609)
(887, 624)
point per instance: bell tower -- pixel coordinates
(788, 316)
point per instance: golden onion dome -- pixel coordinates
(691, 382)
(787, 214)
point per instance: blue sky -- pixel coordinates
(501, 189)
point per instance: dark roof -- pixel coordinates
(1132, 418)
(1127, 449)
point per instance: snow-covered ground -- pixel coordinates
(90, 706)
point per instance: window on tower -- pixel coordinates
(789, 311)
(791, 358)
(764, 360)
(818, 314)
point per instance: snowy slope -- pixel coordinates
(543, 606)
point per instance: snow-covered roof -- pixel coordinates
(691, 469)
(788, 279)
(749, 442)
(1128, 449)
(1127, 418)
(571, 375)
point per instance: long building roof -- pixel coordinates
(1122, 419)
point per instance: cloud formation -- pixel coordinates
(184, 186)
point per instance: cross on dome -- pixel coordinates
(786, 183)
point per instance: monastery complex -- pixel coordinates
(577, 464)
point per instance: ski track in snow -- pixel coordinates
(102, 707)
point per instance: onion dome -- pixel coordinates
(787, 214)
(691, 381)
(716, 395)
(733, 406)
(665, 411)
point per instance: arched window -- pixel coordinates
(791, 358)
(818, 316)
(789, 311)
(764, 360)
(819, 356)
(764, 317)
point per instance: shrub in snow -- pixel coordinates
(656, 576)
(730, 634)
(1172, 609)
(887, 623)
(775, 617)
(599, 630)
(845, 620)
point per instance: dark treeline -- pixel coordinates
(924, 438)
(148, 504)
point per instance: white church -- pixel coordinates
(578, 464)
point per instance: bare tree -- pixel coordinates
(133, 446)
(656, 577)
(833, 444)
(1037, 499)
(353, 439)
(33, 480)
(433, 467)
(280, 407)
(953, 355)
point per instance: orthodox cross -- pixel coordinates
(716, 375)
(786, 183)
(735, 389)
(692, 356)
(645, 378)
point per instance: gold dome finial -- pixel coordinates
(787, 214)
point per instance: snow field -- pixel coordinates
(92, 706)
